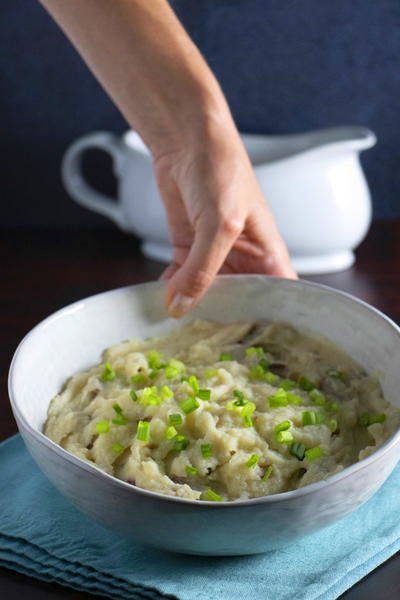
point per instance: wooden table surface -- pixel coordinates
(43, 271)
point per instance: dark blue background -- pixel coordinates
(285, 66)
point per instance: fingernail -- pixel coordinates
(180, 305)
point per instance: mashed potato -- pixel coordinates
(222, 412)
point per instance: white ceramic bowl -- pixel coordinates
(73, 338)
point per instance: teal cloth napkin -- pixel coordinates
(42, 535)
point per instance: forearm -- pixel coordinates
(143, 57)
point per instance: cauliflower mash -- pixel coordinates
(217, 411)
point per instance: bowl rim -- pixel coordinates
(26, 428)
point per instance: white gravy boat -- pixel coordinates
(313, 182)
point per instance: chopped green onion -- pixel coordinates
(102, 427)
(133, 395)
(166, 392)
(143, 431)
(256, 372)
(283, 437)
(294, 398)
(189, 405)
(282, 426)
(309, 417)
(213, 496)
(267, 473)
(239, 395)
(278, 399)
(191, 470)
(225, 356)
(255, 350)
(305, 384)
(117, 447)
(317, 397)
(170, 432)
(108, 373)
(120, 420)
(170, 372)
(150, 396)
(240, 402)
(366, 419)
(270, 377)
(297, 449)
(206, 450)
(174, 368)
(194, 384)
(264, 363)
(247, 421)
(313, 453)
(154, 373)
(320, 418)
(154, 359)
(204, 394)
(208, 373)
(180, 443)
(175, 419)
(332, 406)
(248, 409)
(286, 384)
(253, 460)
(335, 373)
(117, 408)
(139, 378)
(333, 424)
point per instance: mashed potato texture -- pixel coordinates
(217, 411)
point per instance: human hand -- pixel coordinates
(218, 218)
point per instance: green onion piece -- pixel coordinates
(282, 426)
(317, 397)
(154, 373)
(204, 394)
(191, 470)
(333, 424)
(225, 356)
(253, 460)
(267, 473)
(283, 437)
(120, 420)
(239, 395)
(256, 372)
(108, 373)
(278, 399)
(264, 364)
(175, 419)
(294, 398)
(194, 384)
(102, 427)
(177, 364)
(206, 450)
(297, 449)
(270, 377)
(240, 402)
(133, 395)
(332, 406)
(320, 418)
(117, 408)
(335, 373)
(166, 392)
(184, 379)
(313, 453)
(213, 496)
(248, 409)
(366, 419)
(286, 384)
(189, 405)
(255, 350)
(180, 443)
(150, 396)
(154, 359)
(117, 447)
(170, 372)
(247, 421)
(143, 431)
(139, 378)
(305, 384)
(170, 432)
(309, 417)
(208, 373)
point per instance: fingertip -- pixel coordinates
(179, 305)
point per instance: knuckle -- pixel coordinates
(229, 225)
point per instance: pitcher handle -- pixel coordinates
(75, 183)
